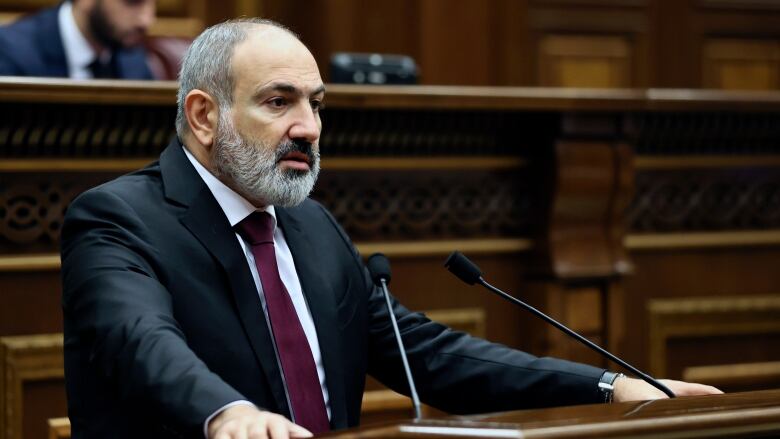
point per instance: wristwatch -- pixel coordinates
(607, 384)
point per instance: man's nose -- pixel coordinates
(147, 14)
(306, 125)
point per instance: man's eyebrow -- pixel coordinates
(286, 87)
(318, 90)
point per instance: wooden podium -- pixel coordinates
(736, 415)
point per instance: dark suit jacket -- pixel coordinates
(32, 47)
(163, 324)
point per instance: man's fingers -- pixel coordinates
(258, 431)
(682, 388)
(247, 422)
(278, 428)
(298, 431)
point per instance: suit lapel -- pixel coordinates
(206, 221)
(131, 64)
(323, 308)
(50, 44)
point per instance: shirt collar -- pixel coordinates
(78, 53)
(235, 206)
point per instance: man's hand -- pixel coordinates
(247, 422)
(631, 389)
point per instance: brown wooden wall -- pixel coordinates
(723, 44)
(728, 44)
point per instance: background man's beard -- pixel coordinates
(253, 167)
(101, 28)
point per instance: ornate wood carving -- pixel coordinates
(32, 209)
(704, 132)
(429, 205)
(706, 200)
(45, 130)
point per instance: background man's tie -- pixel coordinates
(104, 70)
(300, 372)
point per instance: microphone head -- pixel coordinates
(462, 267)
(379, 267)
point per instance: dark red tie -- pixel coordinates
(300, 372)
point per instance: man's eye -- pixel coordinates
(277, 102)
(317, 105)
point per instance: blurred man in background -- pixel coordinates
(80, 39)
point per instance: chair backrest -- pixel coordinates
(164, 55)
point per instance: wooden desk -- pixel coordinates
(736, 415)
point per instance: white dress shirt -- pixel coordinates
(78, 53)
(237, 208)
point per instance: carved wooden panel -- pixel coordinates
(687, 332)
(725, 133)
(736, 376)
(688, 200)
(741, 64)
(79, 131)
(32, 209)
(765, 5)
(27, 362)
(394, 206)
(593, 61)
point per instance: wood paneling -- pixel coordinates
(585, 61)
(580, 44)
(711, 320)
(573, 43)
(31, 391)
(594, 43)
(59, 428)
(734, 64)
(670, 273)
(740, 375)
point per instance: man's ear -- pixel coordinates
(202, 116)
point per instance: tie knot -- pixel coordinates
(103, 68)
(257, 228)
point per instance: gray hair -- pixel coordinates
(207, 64)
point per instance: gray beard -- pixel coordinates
(252, 167)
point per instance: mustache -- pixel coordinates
(295, 145)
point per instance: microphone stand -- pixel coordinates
(402, 350)
(647, 378)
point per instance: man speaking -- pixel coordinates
(207, 295)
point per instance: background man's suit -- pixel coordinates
(163, 323)
(32, 46)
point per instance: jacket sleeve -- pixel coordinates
(458, 373)
(8, 66)
(119, 319)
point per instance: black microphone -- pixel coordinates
(379, 268)
(468, 272)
